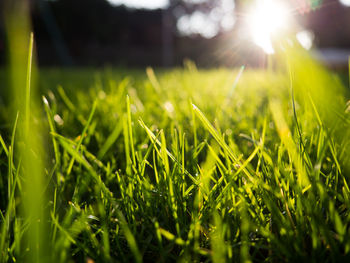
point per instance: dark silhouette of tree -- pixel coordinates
(96, 32)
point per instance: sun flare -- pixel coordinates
(267, 18)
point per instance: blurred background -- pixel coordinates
(163, 33)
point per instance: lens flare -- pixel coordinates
(305, 38)
(267, 18)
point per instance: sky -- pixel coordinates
(345, 2)
(150, 4)
(220, 17)
(207, 25)
(153, 4)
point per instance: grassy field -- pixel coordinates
(183, 165)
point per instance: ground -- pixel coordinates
(179, 165)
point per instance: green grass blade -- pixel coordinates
(82, 136)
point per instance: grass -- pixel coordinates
(178, 165)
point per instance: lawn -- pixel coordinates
(186, 164)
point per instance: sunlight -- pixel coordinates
(345, 2)
(197, 23)
(267, 18)
(208, 24)
(305, 38)
(148, 4)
